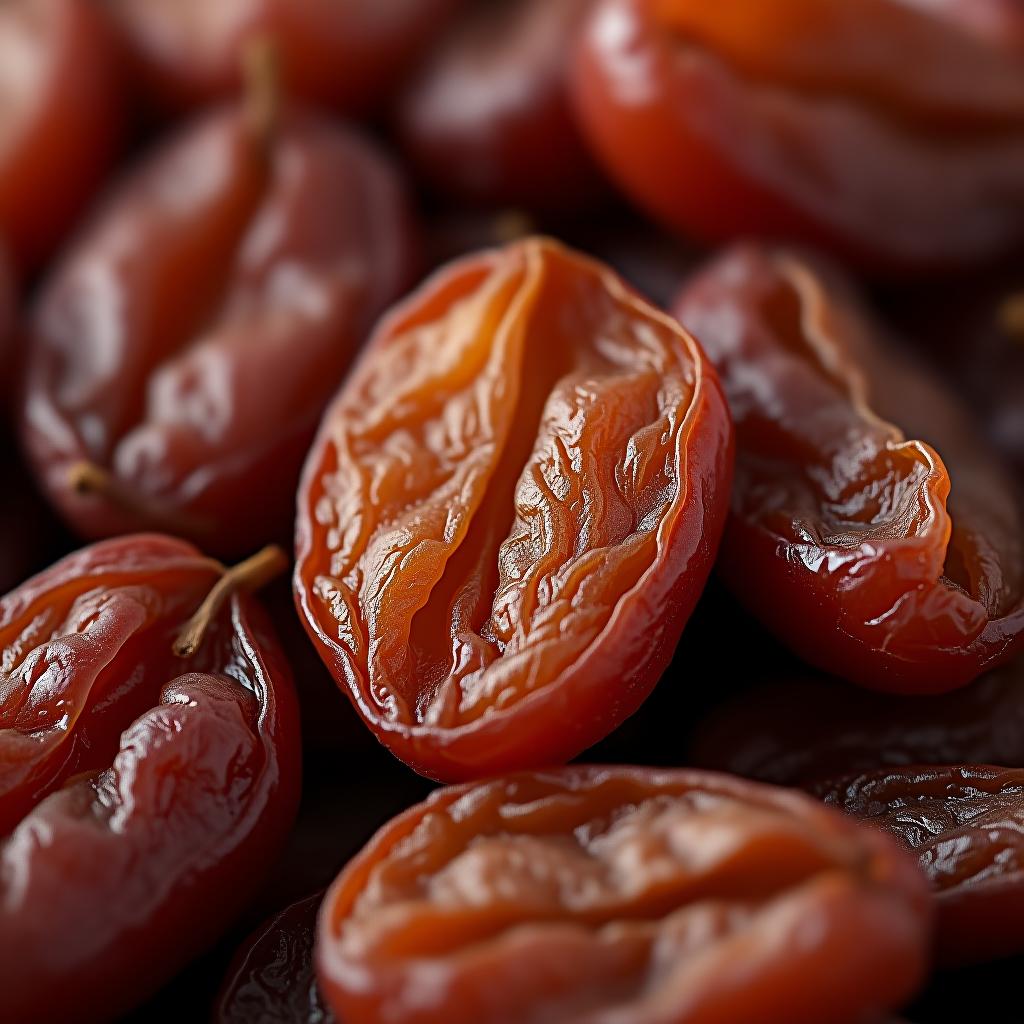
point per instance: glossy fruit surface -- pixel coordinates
(272, 979)
(592, 894)
(965, 824)
(182, 353)
(144, 788)
(806, 121)
(487, 118)
(344, 54)
(871, 527)
(61, 120)
(510, 511)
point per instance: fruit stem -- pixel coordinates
(262, 96)
(87, 479)
(1011, 316)
(247, 576)
(511, 225)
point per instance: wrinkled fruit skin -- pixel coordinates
(510, 511)
(330, 725)
(487, 117)
(893, 562)
(142, 795)
(272, 979)
(53, 153)
(348, 56)
(592, 894)
(189, 342)
(804, 120)
(799, 730)
(965, 824)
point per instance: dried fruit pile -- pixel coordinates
(524, 499)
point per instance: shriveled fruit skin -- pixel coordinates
(142, 795)
(799, 728)
(60, 94)
(486, 118)
(807, 121)
(272, 979)
(871, 527)
(594, 894)
(510, 511)
(348, 56)
(965, 823)
(190, 340)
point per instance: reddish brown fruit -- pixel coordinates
(510, 511)
(182, 354)
(62, 113)
(593, 894)
(871, 527)
(797, 730)
(883, 129)
(965, 824)
(487, 119)
(272, 979)
(345, 54)
(149, 770)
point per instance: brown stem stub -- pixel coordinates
(248, 576)
(512, 225)
(262, 78)
(89, 480)
(86, 478)
(1011, 316)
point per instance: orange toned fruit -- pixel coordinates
(592, 895)
(890, 131)
(510, 511)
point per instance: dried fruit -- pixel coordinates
(346, 55)
(805, 120)
(149, 770)
(272, 979)
(622, 894)
(797, 730)
(510, 511)
(966, 825)
(61, 123)
(487, 119)
(182, 354)
(894, 562)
